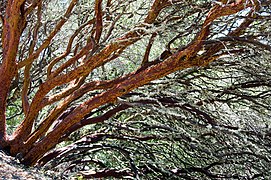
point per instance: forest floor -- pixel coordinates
(10, 168)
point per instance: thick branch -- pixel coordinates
(99, 20)
(98, 119)
(106, 173)
(14, 22)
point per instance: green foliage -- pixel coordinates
(14, 116)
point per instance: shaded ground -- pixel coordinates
(11, 169)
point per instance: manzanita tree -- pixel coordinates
(68, 64)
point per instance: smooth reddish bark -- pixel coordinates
(14, 22)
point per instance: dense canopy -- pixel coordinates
(159, 89)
